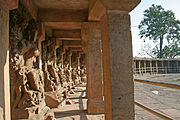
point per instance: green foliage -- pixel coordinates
(158, 25)
(172, 50)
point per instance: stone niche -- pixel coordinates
(26, 79)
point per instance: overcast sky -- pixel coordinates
(137, 16)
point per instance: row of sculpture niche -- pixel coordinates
(35, 91)
(31, 86)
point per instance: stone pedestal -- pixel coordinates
(91, 33)
(4, 62)
(118, 77)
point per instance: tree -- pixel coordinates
(159, 24)
(171, 50)
(146, 50)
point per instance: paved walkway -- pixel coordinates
(77, 109)
(142, 96)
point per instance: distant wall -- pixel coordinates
(156, 66)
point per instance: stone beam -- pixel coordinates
(67, 34)
(76, 49)
(30, 7)
(63, 51)
(96, 10)
(58, 43)
(49, 31)
(72, 44)
(12, 4)
(120, 5)
(50, 41)
(64, 25)
(56, 15)
(68, 38)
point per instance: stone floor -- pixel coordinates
(77, 109)
(166, 101)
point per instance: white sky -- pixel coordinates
(137, 16)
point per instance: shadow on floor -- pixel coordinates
(81, 112)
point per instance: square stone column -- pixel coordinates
(91, 33)
(4, 62)
(117, 66)
(144, 66)
(40, 56)
(140, 70)
(157, 68)
(151, 67)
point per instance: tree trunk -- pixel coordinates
(161, 43)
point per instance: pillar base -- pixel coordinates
(95, 106)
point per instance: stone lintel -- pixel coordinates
(12, 4)
(120, 5)
(96, 10)
(31, 8)
(58, 15)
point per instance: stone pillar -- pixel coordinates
(41, 37)
(40, 56)
(134, 67)
(4, 62)
(157, 66)
(70, 60)
(70, 70)
(151, 69)
(55, 59)
(79, 57)
(168, 67)
(118, 83)
(144, 66)
(62, 57)
(177, 66)
(91, 33)
(140, 67)
(163, 68)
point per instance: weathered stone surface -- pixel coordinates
(4, 57)
(27, 81)
(52, 100)
(95, 106)
(1, 113)
(91, 33)
(121, 66)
